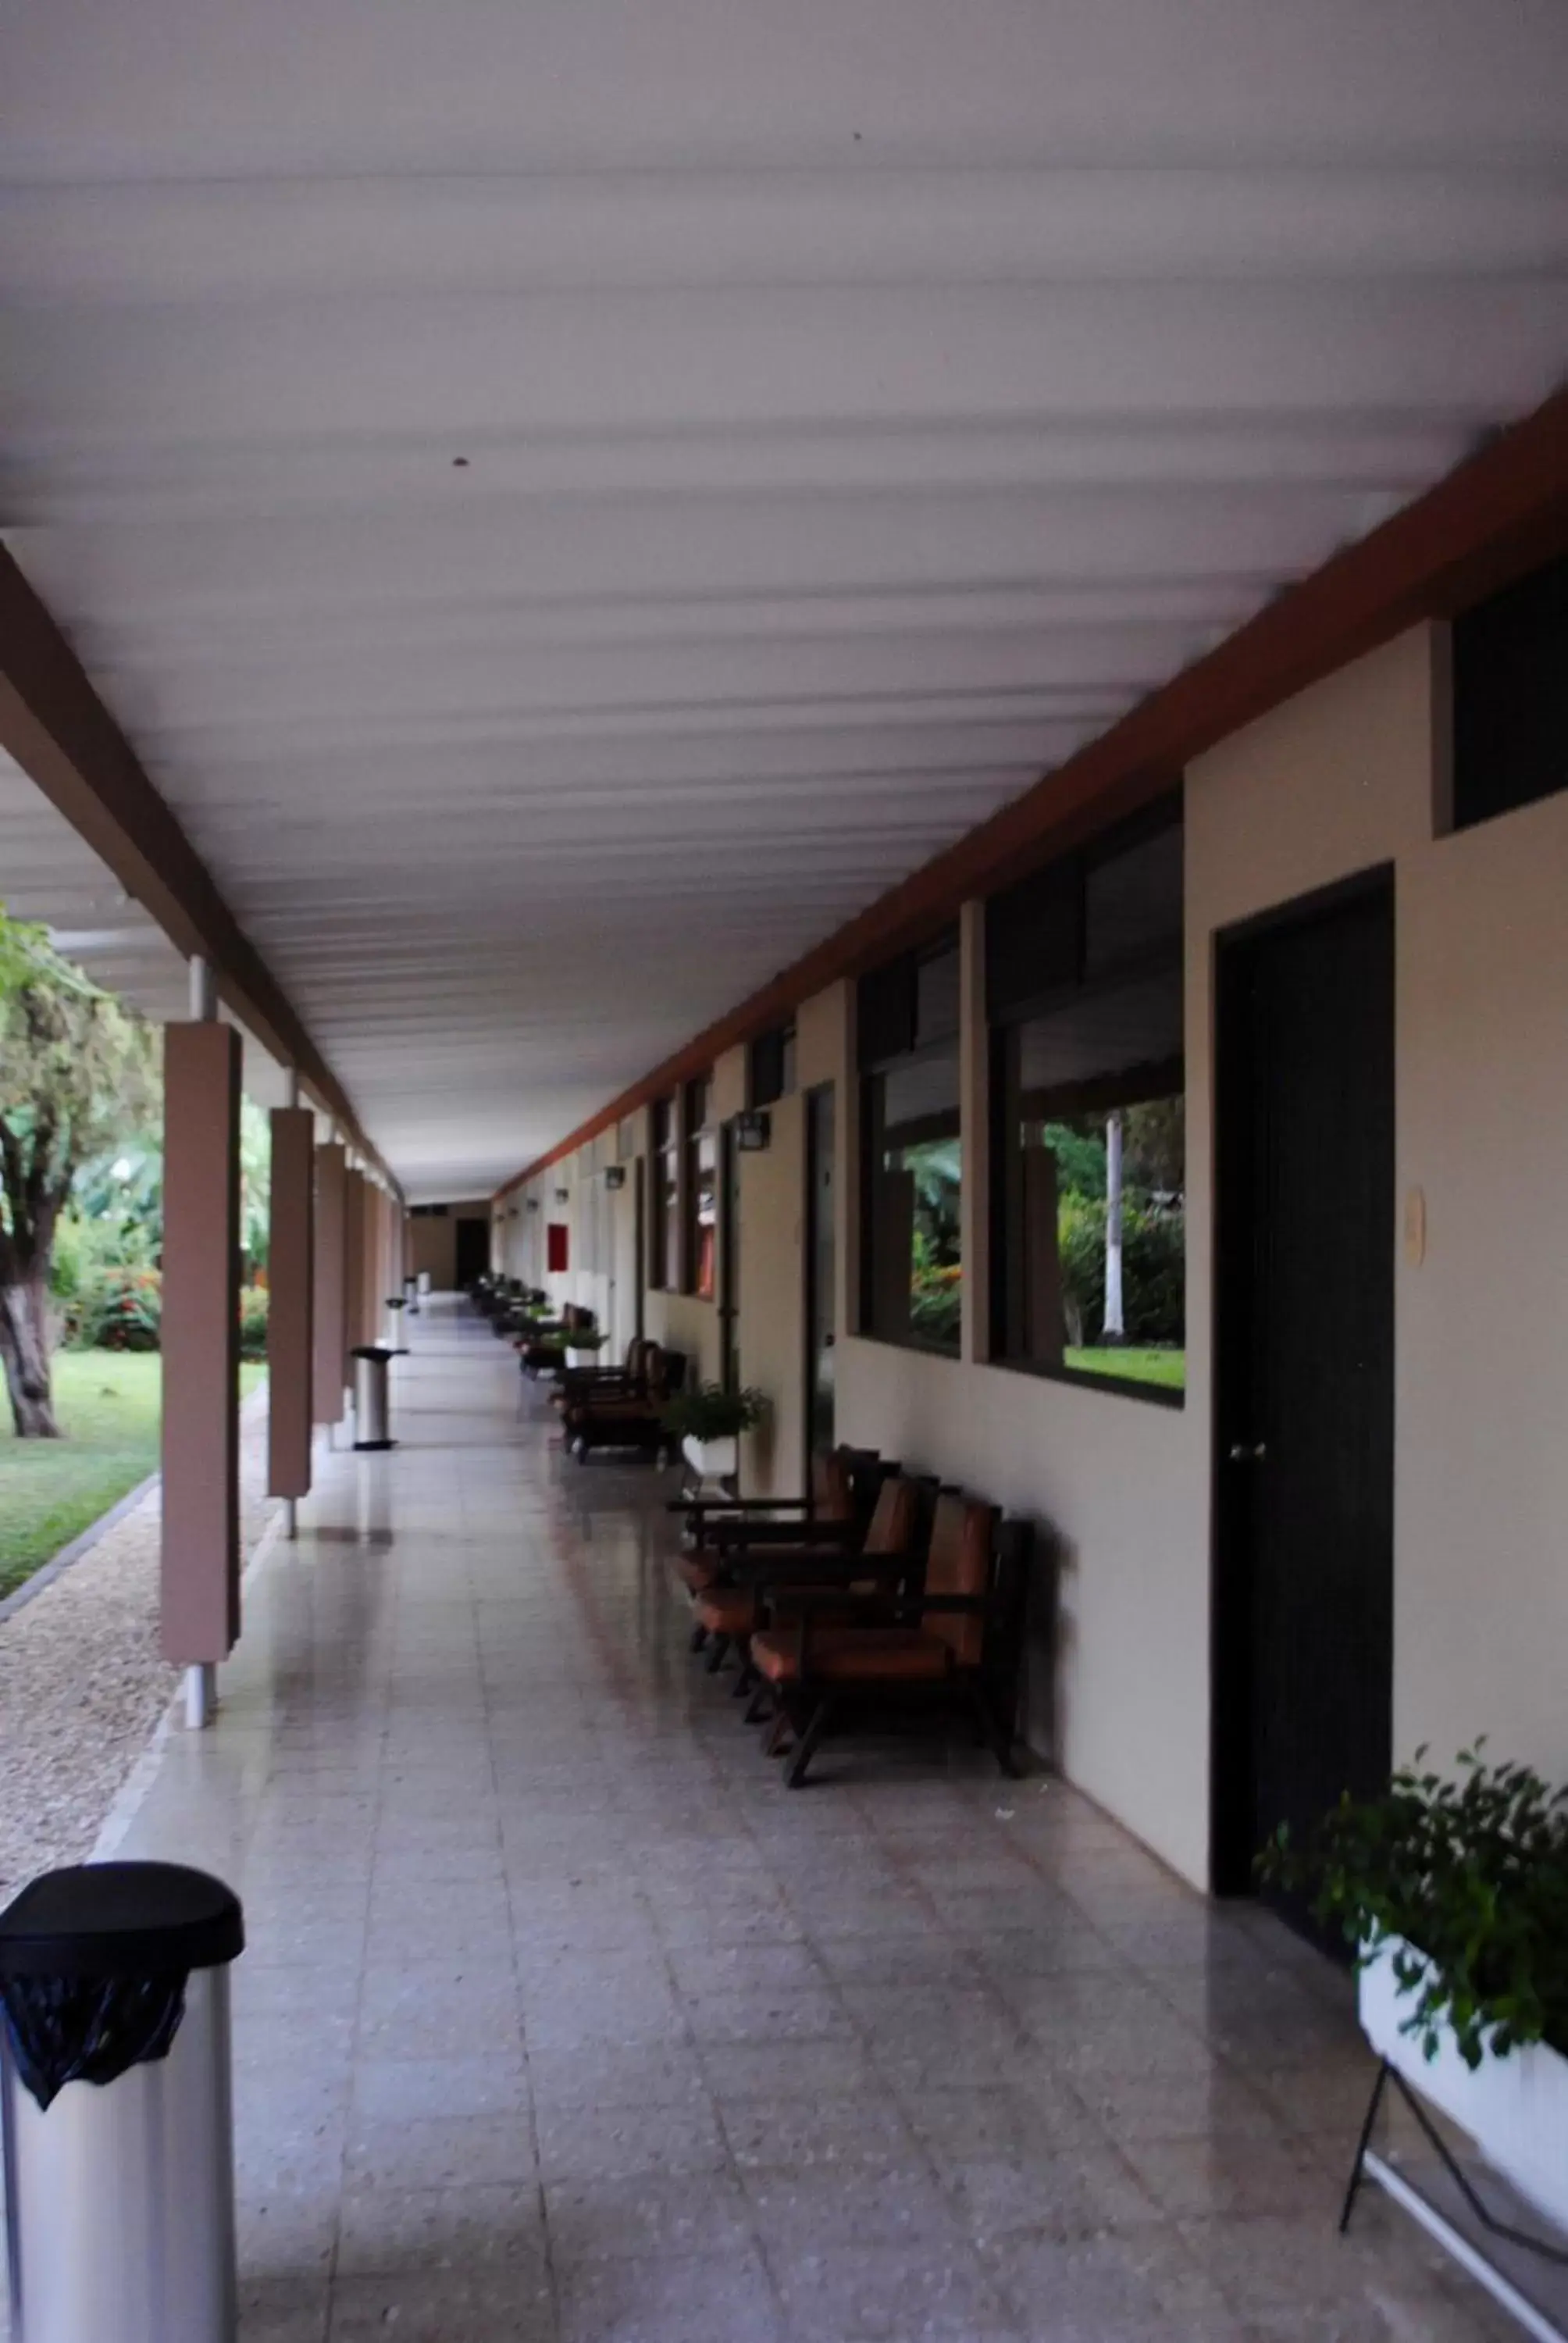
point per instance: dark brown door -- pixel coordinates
(1304, 1390)
(640, 1188)
(730, 1258)
(821, 1268)
(473, 1252)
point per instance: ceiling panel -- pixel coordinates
(571, 504)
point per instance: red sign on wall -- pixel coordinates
(556, 1237)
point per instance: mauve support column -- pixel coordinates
(290, 1276)
(375, 1267)
(354, 1217)
(200, 1574)
(329, 1330)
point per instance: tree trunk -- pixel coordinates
(1115, 1327)
(25, 1349)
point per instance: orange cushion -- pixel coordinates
(731, 1610)
(854, 1655)
(727, 1609)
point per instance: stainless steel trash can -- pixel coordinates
(411, 1295)
(424, 1284)
(117, 2106)
(371, 1410)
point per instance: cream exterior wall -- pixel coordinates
(433, 1244)
(730, 1085)
(1340, 779)
(1481, 1584)
(682, 1322)
(821, 1028)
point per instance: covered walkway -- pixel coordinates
(561, 2019)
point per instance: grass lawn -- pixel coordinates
(1166, 1367)
(107, 1403)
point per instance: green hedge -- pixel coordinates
(116, 1309)
(123, 1309)
(1154, 1271)
(253, 1304)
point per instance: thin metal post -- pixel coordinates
(203, 990)
(201, 1695)
(1363, 2145)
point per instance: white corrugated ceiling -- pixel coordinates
(570, 502)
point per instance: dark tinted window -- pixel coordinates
(771, 1068)
(1084, 997)
(912, 1186)
(1510, 697)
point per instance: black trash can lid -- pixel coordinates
(371, 1351)
(120, 1919)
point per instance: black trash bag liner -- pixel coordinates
(88, 2030)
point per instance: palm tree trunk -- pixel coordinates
(25, 1350)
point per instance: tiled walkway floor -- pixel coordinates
(561, 2019)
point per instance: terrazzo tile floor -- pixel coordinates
(562, 2022)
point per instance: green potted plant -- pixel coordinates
(708, 1421)
(1454, 1890)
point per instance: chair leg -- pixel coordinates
(997, 1737)
(805, 1748)
(757, 1706)
(746, 1679)
(698, 1638)
(716, 1650)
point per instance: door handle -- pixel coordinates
(1241, 1453)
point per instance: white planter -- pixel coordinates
(1515, 2108)
(576, 1358)
(712, 1460)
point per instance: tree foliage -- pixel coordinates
(76, 1073)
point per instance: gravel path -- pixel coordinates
(83, 1682)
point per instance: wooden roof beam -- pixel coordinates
(60, 733)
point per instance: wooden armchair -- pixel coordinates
(579, 1383)
(845, 1485)
(842, 1482)
(953, 1642)
(631, 1416)
(761, 1583)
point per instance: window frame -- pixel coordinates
(1094, 1096)
(894, 978)
(664, 1154)
(698, 1134)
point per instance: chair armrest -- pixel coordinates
(701, 1506)
(831, 1536)
(912, 1609)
